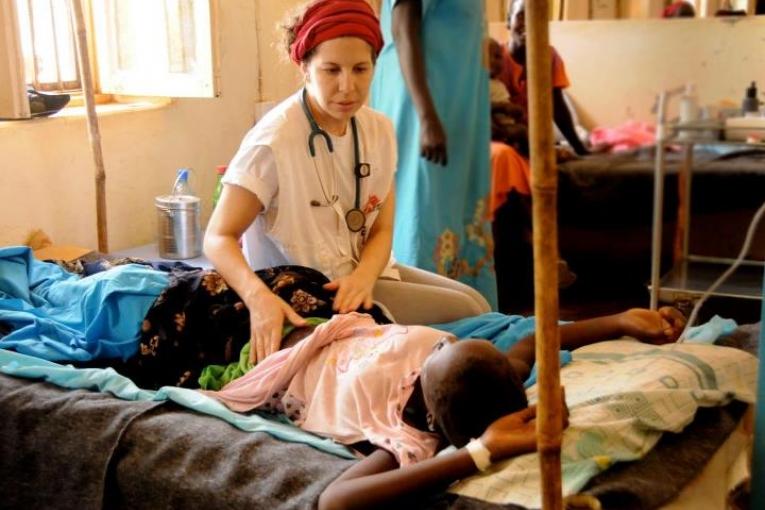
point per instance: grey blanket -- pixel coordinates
(84, 450)
(55, 445)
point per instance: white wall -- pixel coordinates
(46, 168)
(617, 67)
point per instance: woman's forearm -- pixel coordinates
(227, 258)
(376, 252)
(406, 25)
(235, 211)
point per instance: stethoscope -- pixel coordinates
(355, 218)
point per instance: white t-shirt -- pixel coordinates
(274, 163)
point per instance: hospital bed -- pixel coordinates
(67, 448)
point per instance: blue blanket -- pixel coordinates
(56, 315)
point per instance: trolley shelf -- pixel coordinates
(690, 278)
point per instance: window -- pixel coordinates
(138, 47)
(48, 46)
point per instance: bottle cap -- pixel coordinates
(221, 169)
(183, 174)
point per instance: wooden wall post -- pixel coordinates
(545, 229)
(94, 134)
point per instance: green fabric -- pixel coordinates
(215, 377)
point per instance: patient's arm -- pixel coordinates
(565, 123)
(377, 481)
(406, 27)
(650, 326)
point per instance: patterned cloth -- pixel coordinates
(198, 320)
(622, 396)
(442, 212)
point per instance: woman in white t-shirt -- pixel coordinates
(312, 185)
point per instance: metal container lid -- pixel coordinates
(177, 202)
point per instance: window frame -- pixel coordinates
(14, 103)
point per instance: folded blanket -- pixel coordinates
(622, 396)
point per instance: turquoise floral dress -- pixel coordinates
(441, 212)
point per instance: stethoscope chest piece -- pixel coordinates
(355, 219)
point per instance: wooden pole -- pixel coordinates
(86, 77)
(544, 199)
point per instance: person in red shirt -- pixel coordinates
(514, 76)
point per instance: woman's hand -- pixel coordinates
(433, 139)
(267, 314)
(656, 327)
(353, 290)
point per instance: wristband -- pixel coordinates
(479, 453)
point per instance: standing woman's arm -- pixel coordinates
(407, 27)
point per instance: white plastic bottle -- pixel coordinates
(689, 110)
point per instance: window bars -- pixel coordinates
(48, 45)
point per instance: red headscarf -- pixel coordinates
(330, 19)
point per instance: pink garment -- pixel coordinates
(349, 380)
(630, 135)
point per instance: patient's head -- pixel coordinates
(495, 58)
(467, 385)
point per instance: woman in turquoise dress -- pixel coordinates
(432, 82)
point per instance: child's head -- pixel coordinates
(495, 58)
(467, 385)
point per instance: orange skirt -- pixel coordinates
(509, 171)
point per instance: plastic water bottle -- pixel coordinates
(181, 185)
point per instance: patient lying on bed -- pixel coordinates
(407, 391)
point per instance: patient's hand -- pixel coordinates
(516, 433)
(653, 326)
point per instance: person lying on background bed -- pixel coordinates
(514, 75)
(401, 393)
